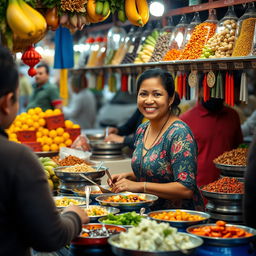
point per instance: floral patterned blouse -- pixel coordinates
(172, 159)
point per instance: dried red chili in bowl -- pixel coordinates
(225, 185)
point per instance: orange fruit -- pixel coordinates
(36, 125)
(29, 122)
(46, 148)
(31, 111)
(62, 145)
(48, 141)
(58, 140)
(42, 115)
(18, 123)
(41, 122)
(56, 111)
(24, 127)
(52, 133)
(68, 124)
(38, 110)
(68, 142)
(54, 147)
(49, 112)
(65, 135)
(60, 131)
(39, 140)
(76, 126)
(45, 131)
(35, 117)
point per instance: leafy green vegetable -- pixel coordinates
(167, 232)
(129, 218)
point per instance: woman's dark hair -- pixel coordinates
(167, 82)
(8, 73)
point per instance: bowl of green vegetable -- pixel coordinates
(127, 220)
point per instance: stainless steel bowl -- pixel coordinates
(225, 241)
(95, 136)
(103, 145)
(119, 251)
(112, 210)
(231, 170)
(149, 201)
(93, 188)
(74, 176)
(81, 200)
(221, 196)
(181, 224)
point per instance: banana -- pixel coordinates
(91, 11)
(143, 10)
(99, 7)
(19, 23)
(106, 8)
(132, 14)
(35, 16)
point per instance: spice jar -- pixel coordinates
(94, 50)
(115, 37)
(223, 42)
(83, 58)
(201, 34)
(101, 53)
(245, 32)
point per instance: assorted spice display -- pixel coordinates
(173, 54)
(220, 230)
(244, 42)
(202, 33)
(126, 198)
(177, 215)
(225, 185)
(79, 168)
(234, 157)
(69, 160)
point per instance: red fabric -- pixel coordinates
(124, 83)
(184, 84)
(56, 102)
(215, 133)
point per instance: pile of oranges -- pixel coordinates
(34, 120)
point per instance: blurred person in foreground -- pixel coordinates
(28, 215)
(82, 107)
(216, 128)
(45, 94)
(164, 161)
(249, 190)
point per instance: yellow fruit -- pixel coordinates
(45, 131)
(29, 122)
(49, 112)
(35, 117)
(68, 124)
(65, 136)
(41, 122)
(39, 134)
(31, 111)
(13, 136)
(18, 124)
(58, 140)
(48, 141)
(62, 145)
(54, 147)
(60, 131)
(24, 127)
(50, 182)
(68, 142)
(76, 126)
(42, 115)
(46, 148)
(39, 140)
(56, 111)
(31, 128)
(44, 140)
(36, 125)
(38, 110)
(52, 133)
(40, 129)
(16, 129)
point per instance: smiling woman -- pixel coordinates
(165, 158)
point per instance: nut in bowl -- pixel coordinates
(98, 234)
(127, 201)
(95, 211)
(180, 218)
(223, 234)
(65, 201)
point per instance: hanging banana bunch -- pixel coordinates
(137, 12)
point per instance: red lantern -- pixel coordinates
(31, 57)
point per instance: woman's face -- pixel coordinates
(153, 100)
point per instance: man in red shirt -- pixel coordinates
(216, 129)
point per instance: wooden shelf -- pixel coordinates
(238, 63)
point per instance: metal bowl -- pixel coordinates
(81, 200)
(225, 241)
(103, 240)
(108, 209)
(221, 196)
(103, 145)
(95, 136)
(93, 188)
(119, 251)
(181, 224)
(74, 176)
(231, 170)
(149, 200)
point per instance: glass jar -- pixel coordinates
(245, 32)
(101, 53)
(170, 26)
(115, 36)
(83, 58)
(94, 50)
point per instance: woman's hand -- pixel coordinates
(115, 138)
(116, 178)
(127, 185)
(79, 211)
(112, 130)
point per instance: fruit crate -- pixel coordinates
(35, 146)
(73, 132)
(54, 122)
(26, 136)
